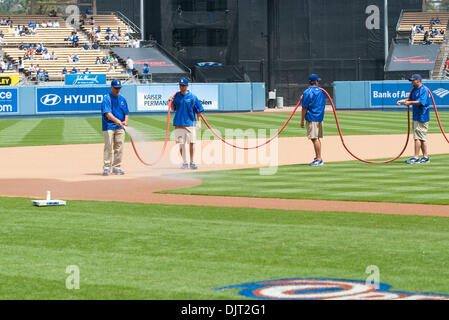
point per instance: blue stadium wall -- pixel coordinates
(57, 101)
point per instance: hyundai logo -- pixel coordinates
(50, 99)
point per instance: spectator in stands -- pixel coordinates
(436, 32)
(129, 65)
(9, 21)
(95, 46)
(69, 58)
(21, 46)
(76, 59)
(107, 37)
(3, 65)
(114, 37)
(21, 65)
(46, 56)
(115, 62)
(87, 71)
(98, 61)
(136, 43)
(92, 21)
(38, 68)
(31, 68)
(3, 22)
(45, 75)
(74, 70)
(437, 21)
(108, 30)
(11, 66)
(44, 24)
(443, 33)
(53, 56)
(146, 73)
(111, 68)
(53, 13)
(119, 31)
(39, 75)
(56, 24)
(86, 46)
(64, 70)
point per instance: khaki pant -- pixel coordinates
(420, 130)
(314, 130)
(113, 148)
(185, 135)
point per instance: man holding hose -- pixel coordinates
(420, 100)
(187, 107)
(114, 110)
(313, 107)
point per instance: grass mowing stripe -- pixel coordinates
(13, 135)
(78, 130)
(149, 131)
(351, 181)
(137, 251)
(45, 130)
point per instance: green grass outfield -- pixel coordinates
(137, 251)
(32, 132)
(353, 180)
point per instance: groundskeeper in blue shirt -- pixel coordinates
(115, 105)
(314, 101)
(421, 113)
(186, 107)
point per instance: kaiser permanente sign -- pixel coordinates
(155, 98)
(384, 94)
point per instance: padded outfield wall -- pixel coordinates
(54, 101)
(383, 95)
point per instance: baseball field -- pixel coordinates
(164, 233)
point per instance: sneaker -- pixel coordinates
(106, 172)
(424, 160)
(193, 166)
(317, 163)
(313, 162)
(118, 172)
(185, 166)
(412, 160)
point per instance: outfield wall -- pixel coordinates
(383, 95)
(51, 101)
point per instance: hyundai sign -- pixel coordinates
(87, 99)
(83, 79)
(8, 101)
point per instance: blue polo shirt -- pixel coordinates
(314, 101)
(421, 113)
(115, 105)
(186, 108)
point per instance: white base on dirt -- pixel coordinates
(48, 202)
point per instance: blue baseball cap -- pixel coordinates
(314, 77)
(116, 83)
(184, 82)
(416, 77)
